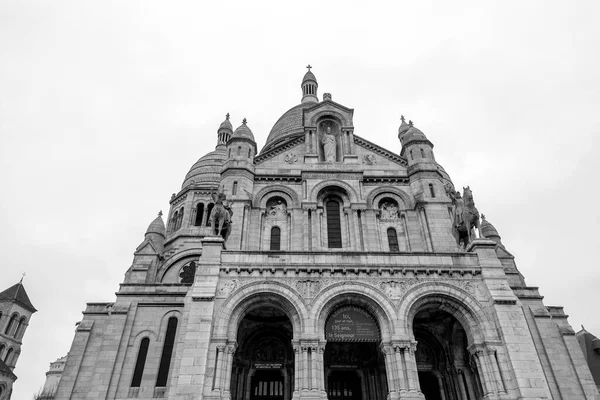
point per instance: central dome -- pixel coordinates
(287, 127)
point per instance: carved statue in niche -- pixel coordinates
(277, 208)
(389, 210)
(329, 145)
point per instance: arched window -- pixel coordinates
(392, 239)
(179, 219)
(431, 191)
(173, 223)
(199, 214)
(10, 325)
(239, 150)
(167, 352)
(7, 359)
(234, 189)
(411, 155)
(2, 347)
(334, 226)
(275, 238)
(208, 211)
(229, 153)
(140, 363)
(249, 153)
(422, 153)
(20, 327)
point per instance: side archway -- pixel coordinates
(261, 198)
(253, 296)
(404, 200)
(318, 191)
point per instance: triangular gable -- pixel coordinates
(142, 249)
(364, 143)
(17, 294)
(280, 148)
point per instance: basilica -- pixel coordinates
(323, 267)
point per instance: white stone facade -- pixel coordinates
(313, 234)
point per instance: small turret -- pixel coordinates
(224, 132)
(416, 147)
(156, 232)
(489, 231)
(241, 145)
(309, 87)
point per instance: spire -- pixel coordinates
(309, 87)
(403, 127)
(225, 131)
(18, 294)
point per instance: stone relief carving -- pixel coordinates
(278, 211)
(369, 159)
(227, 287)
(291, 158)
(389, 211)
(396, 289)
(329, 145)
(308, 288)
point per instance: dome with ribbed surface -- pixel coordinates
(157, 226)
(207, 170)
(414, 134)
(309, 76)
(288, 126)
(226, 124)
(243, 131)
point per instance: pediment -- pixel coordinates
(328, 108)
(369, 153)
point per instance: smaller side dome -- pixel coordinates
(243, 131)
(226, 124)
(489, 231)
(413, 133)
(309, 87)
(309, 76)
(157, 226)
(403, 127)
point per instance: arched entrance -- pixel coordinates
(354, 364)
(263, 366)
(445, 367)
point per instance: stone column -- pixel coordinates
(484, 375)
(388, 354)
(461, 384)
(313, 367)
(305, 230)
(305, 368)
(297, 368)
(493, 361)
(321, 366)
(441, 385)
(402, 386)
(411, 368)
(229, 352)
(219, 367)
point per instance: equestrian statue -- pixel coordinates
(465, 217)
(220, 216)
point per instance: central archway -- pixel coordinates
(263, 366)
(353, 362)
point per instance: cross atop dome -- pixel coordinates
(309, 67)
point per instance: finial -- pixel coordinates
(23, 276)
(244, 121)
(402, 118)
(160, 213)
(227, 116)
(582, 328)
(410, 122)
(482, 216)
(309, 67)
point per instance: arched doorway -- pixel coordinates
(263, 366)
(354, 364)
(444, 365)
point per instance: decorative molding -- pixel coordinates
(291, 158)
(380, 151)
(209, 298)
(369, 159)
(279, 149)
(227, 287)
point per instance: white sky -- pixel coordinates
(104, 106)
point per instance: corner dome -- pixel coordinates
(207, 170)
(226, 124)
(243, 131)
(287, 127)
(414, 133)
(157, 226)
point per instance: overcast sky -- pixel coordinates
(105, 106)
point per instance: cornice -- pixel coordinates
(380, 150)
(278, 150)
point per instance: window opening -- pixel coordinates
(334, 228)
(422, 153)
(140, 363)
(199, 214)
(275, 238)
(239, 150)
(165, 359)
(208, 211)
(234, 189)
(10, 324)
(431, 191)
(8, 354)
(392, 239)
